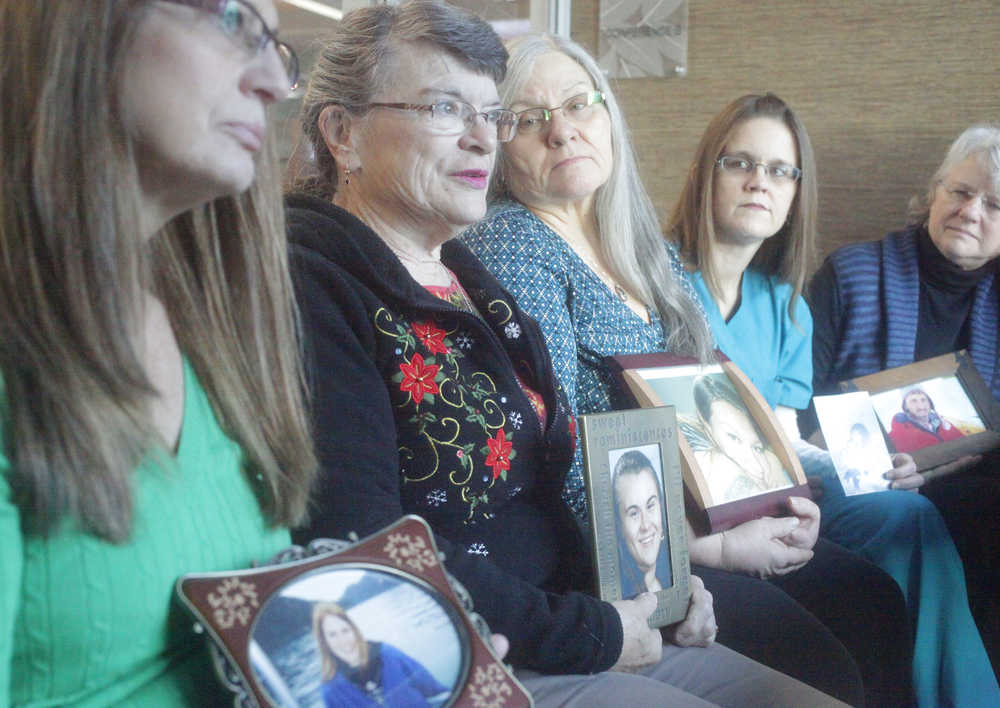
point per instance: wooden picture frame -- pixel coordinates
(389, 593)
(954, 383)
(633, 481)
(721, 492)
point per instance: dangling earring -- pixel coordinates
(347, 176)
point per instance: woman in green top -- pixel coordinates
(151, 402)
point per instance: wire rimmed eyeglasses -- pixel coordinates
(577, 108)
(453, 117)
(241, 22)
(777, 171)
(961, 194)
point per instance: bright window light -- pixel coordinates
(317, 7)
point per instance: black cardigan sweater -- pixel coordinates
(417, 409)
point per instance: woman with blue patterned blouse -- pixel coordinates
(577, 242)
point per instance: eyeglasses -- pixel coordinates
(780, 172)
(452, 117)
(577, 108)
(241, 22)
(960, 194)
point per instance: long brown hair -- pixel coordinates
(789, 253)
(73, 270)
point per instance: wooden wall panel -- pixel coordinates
(883, 87)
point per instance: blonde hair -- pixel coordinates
(73, 271)
(788, 254)
(322, 610)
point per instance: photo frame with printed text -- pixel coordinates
(963, 417)
(633, 481)
(305, 630)
(737, 463)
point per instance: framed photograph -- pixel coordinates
(633, 481)
(737, 462)
(937, 410)
(378, 622)
(854, 438)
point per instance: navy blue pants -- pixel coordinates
(838, 624)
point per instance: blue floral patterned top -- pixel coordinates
(582, 320)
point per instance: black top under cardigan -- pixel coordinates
(417, 409)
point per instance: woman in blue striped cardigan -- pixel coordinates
(930, 289)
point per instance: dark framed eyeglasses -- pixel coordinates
(241, 22)
(577, 108)
(777, 171)
(451, 117)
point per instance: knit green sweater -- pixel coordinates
(87, 623)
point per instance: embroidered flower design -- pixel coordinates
(464, 341)
(437, 497)
(512, 330)
(516, 420)
(500, 453)
(418, 378)
(478, 549)
(431, 337)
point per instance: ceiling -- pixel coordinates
(300, 27)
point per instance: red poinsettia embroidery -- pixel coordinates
(418, 378)
(501, 452)
(431, 337)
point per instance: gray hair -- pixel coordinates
(631, 239)
(357, 60)
(982, 141)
